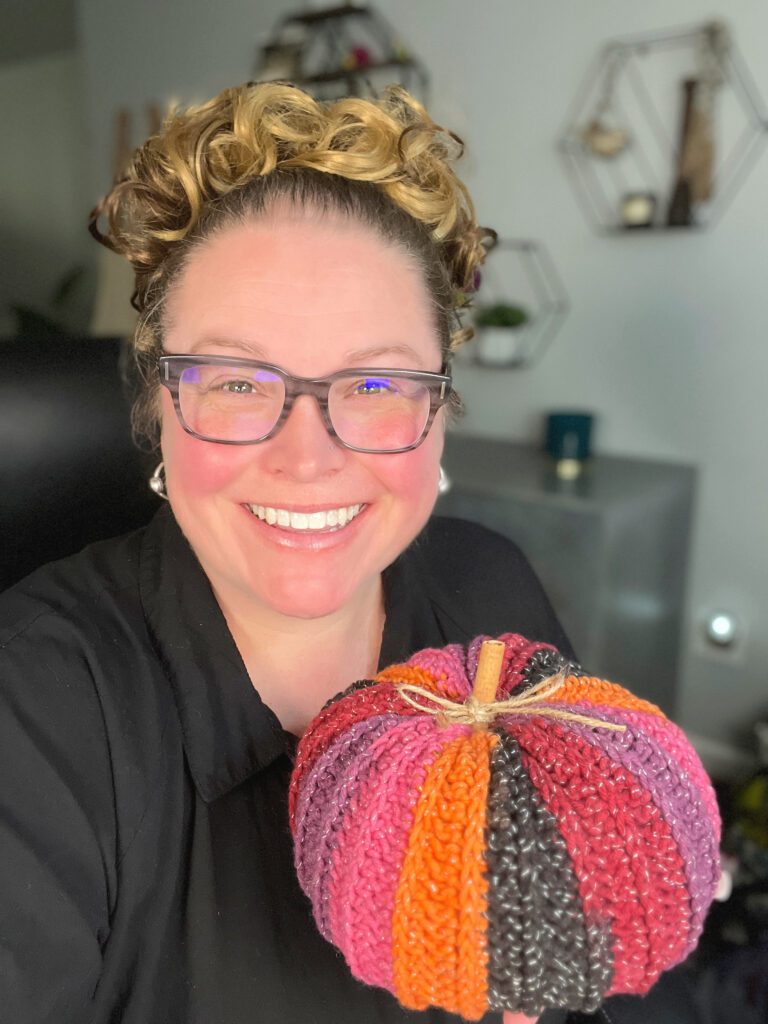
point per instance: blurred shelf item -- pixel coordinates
(610, 547)
(345, 50)
(619, 138)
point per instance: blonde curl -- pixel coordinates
(180, 180)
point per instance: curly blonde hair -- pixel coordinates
(382, 162)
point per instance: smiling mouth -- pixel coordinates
(325, 521)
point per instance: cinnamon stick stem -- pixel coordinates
(488, 671)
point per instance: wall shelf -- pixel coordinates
(637, 79)
(347, 50)
(520, 271)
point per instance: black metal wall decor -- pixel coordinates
(518, 309)
(346, 50)
(664, 130)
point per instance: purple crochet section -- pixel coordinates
(324, 799)
(674, 740)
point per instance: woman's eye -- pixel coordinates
(237, 387)
(373, 386)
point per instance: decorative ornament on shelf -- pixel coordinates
(694, 182)
(604, 136)
(343, 50)
(628, 165)
(489, 828)
(358, 57)
(638, 210)
(568, 440)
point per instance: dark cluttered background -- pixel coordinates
(616, 417)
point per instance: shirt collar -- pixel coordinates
(229, 733)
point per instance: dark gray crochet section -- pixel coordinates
(542, 953)
(361, 684)
(544, 663)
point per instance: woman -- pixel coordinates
(298, 267)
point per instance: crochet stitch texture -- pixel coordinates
(537, 862)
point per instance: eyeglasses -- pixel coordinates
(242, 401)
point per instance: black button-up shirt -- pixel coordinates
(146, 864)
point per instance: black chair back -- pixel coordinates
(69, 471)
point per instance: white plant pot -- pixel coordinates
(500, 346)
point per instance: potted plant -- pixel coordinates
(499, 333)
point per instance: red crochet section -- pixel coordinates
(629, 869)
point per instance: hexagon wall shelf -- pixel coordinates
(633, 91)
(518, 272)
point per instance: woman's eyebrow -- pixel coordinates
(374, 351)
(252, 350)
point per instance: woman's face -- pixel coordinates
(311, 296)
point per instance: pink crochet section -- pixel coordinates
(368, 859)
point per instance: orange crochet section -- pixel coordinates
(439, 949)
(600, 691)
(406, 674)
(417, 677)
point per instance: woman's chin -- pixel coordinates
(304, 609)
(304, 599)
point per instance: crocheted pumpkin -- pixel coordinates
(550, 847)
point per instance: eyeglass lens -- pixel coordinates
(240, 403)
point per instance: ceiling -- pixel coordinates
(35, 28)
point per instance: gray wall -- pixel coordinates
(667, 337)
(43, 204)
(181, 50)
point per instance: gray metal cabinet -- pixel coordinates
(610, 547)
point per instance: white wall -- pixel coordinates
(43, 205)
(667, 338)
(147, 51)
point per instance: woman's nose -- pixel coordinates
(303, 448)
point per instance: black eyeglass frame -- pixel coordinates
(171, 367)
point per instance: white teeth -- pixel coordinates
(335, 517)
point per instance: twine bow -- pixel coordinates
(478, 712)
